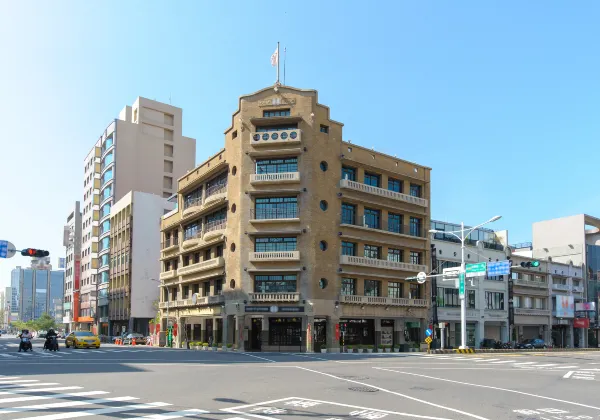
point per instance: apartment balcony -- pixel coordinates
(191, 206)
(382, 192)
(166, 275)
(578, 289)
(170, 244)
(275, 138)
(215, 193)
(415, 231)
(214, 196)
(563, 287)
(214, 229)
(531, 311)
(275, 215)
(531, 283)
(385, 264)
(385, 301)
(274, 297)
(200, 301)
(275, 178)
(201, 266)
(274, 256)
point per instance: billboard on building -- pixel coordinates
(585, 306)
(565, 306)
(61, 263)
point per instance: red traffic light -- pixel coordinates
(32, 252)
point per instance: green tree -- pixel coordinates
(44, 323)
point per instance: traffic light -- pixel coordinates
(530, 264)
(32, 252)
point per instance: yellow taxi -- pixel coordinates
(81, 339)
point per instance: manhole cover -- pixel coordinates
(355, 378)
(419, 388)
(363, 389)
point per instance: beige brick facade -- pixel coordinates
(229, 254)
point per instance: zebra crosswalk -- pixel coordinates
(32, 399)
(500, 362)
(39, 353)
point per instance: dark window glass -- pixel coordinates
(373, 180)
(348, 287)
(394, 185)
(415, 227)
(274, 244)
(395, 223)
(273, 166)
(394, 289)
(324, 129)
(415, 257)
(192, 230)
(415, 291)
(276, 208)
(395, 255)
(372, 218)
(285, 332)
(218, 287)
(275, 283)
(348, 173)
(323, 165)
(494, 300)
(372, 288)
(216, 185)
(349, 248)
(276, 113)
(348, 214)
(415, 190)
(372, 251)
(193, 198)
(219, 251)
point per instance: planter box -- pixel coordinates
(369, 350)
(204, 348)
(323, 350)
(396, 350)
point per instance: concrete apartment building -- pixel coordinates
(135, 261)
(291, 239)
(142, 150)
(72, 243)
(486, 297)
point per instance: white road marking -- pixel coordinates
(8, 355)
(485, 360)
(26, 385)
(50, 397)
(173, 415)
(568, 374)
(18, 381)
(258, 357)
(565, 367)
(547, 365)
(503, 361)
(22, 391)
(394, 393)
(492, 387)
(25, 408)
(98, 412)
(313, 357)
(525, 363)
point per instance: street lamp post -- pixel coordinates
(463, 307)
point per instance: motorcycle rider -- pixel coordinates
(25, 334)
(51, 334)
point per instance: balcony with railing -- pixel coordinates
(531, 283)
(532, 311)
(201, 266)
(215, 193)
(199, 301)
(384, 264)
(275, 178)
(415, 231)
(214, 229)
(578, 289)
(558, 286)
(386, 301)
(382, 192)
(191, 205)
(275, 214)
(274, 297)
(170, 243)
(274, 256)
(276, 138)
(166, 275)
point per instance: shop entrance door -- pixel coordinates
(320, 335)
(256, 339)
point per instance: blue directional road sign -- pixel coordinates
(499, 268)
(428, 332)
(7, 250)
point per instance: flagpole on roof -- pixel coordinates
(277, 62)
(284, 57)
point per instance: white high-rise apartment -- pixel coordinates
(142, 150)
(72, 244)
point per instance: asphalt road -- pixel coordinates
(139, 382)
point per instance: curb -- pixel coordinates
(464, 351)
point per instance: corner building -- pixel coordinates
(291, 239)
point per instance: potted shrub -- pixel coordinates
(218, 346)
(228, 347)
(204, 346)
(349, 349)
(369, 349)
(381, 348)
(323, 349)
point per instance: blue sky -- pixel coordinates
(501, 99)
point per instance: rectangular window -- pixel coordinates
(168, 166)
(216, 185)
(193, 198)
(167, 182)
(415, 227)
(394, 289)
(275, 283)
(372, 251)
(415, 257)
(275, 166)
(348, 287)
(348, 173)
(415, 291)
(539, 303)
(415, 190)
(186, 292)
(219, 251)
(395, 223)
(218, 287)
(372, 218)
(372, 288)
(192, 230)
(395, 255)
(276, 208)
(528, 303)
(373, 180)
(394, 185)
(494, 300)
(186, 260)
(349, 248)
(348, 214)
(517, 301)
(324, 129)
(275, 244)
(276, 113)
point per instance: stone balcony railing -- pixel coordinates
(282, 177)
(201, 266)
(531, 283)
(387, 301)
(385, 264)
(200, 301)
(274, 297)
(531, 311)
(382, 192)
(578, 289)
(274, 256)
(165, 275)
(564, 287)
(274, 138)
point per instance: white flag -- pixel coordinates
(275, 58)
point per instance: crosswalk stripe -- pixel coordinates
(17, 381)
(173, 415)
(8, 355)
(525, 363)
(26, 385)
(51, 397)
(59, 388)
(503, 361)
(569, 367)
(547, 365)
(98, 412)
(485, 360)
(25, 408)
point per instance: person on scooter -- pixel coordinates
(50, 337)
(25, 342)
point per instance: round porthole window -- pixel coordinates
(232, 247)
(323, 204)
(324, 166)
(323, 245)
(323, 283)
(232, 284)
(233, 208)
(234, 170)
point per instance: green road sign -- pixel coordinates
(461, 286)
(475, 270)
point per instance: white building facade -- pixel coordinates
(72, 244)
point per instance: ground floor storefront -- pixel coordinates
(476, 332)
(529, 326)
(133, 325)
(566, 334)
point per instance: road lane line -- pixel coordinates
(26, 408)
(313, 357)
(51, 397)
(23, 391)
(18, 381)
(568, 374)
(484, 360)
(395, 393)
(525, 363)
(98, 412)
(173, 415)
(26, 385)
(547, 365)
(502, 362)
(262, 358)
(493, 387)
